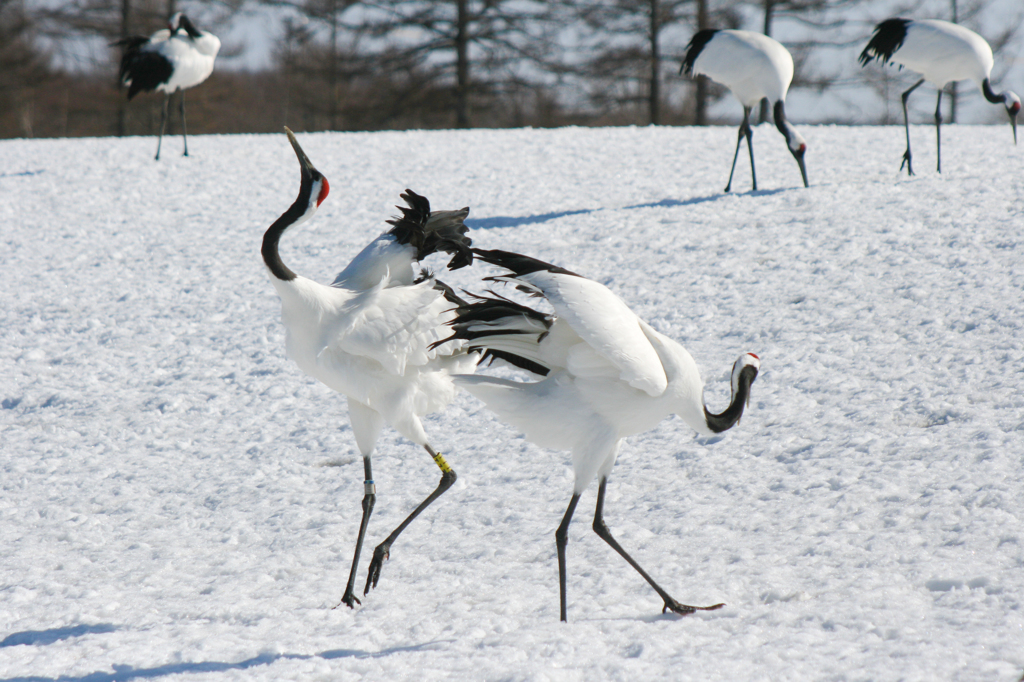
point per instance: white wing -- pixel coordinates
(610, 330)
(392, 326)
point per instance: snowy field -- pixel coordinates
(179, 502)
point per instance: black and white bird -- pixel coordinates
(606, 375)
(372, 334)
(753, 67)
(942, 53)
(171, 60)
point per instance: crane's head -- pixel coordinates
(744, 371)
(179, 22)
(798, 147)
(314, 187)
(1013, 108)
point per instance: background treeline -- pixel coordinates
(395, 64)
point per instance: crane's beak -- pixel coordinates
(1013, 122)
(799, 156)
(307, 166)
(310, 175)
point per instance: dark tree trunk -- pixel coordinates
(122, 105)
(701, 112)
(654, 94)
(462, 66)
(769, 8)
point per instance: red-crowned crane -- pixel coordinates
(372, 335)
(753, 67)
(607, 375)
(942, 53)
(170, 60)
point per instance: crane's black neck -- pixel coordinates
(727, 419)
(780, 120)
(187, 26)
(990, 94)
(271, 238)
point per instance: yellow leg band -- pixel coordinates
(439, 461)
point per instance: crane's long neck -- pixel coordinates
(991, 95)
(794, 140)
(304, 207)
(743, 374)
(312, 190)
(1007, 99)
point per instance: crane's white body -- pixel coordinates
(943, 52)
(191, 59)
(752, 65)
(368, 336)
(612, 376)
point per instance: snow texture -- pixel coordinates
(179, 502)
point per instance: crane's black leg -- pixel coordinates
(938, 136)
(906, 125)
(561, 540)
(743, 132)
(750, 145)
(163, 122)
(383, 550)
(602, 530)
(184, 134)
(369, 498)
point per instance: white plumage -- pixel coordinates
(375, 333)
(171, 60)
(942, 53)
(753, 67)
(607, 375)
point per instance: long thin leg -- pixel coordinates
(750, 145)
(906, 125)
(383, 550)
(743, 132)
(938, 124)
(369, 498)
(602, 530)
(184, 134)
(561, 540)
(163, 122)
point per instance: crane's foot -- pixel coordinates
(380, 555)
(685, 610)
(906, 162)
(350, 600)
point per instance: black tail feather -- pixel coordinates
(887, 38)
(430, 232)
(694, 48)
(481, 320)
(517, 263)
(142, 70)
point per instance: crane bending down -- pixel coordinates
(607, 375)
(375, 334)
(942, 53)
(171, 60)
(753, 66)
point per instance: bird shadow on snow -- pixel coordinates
(517, 221)
(44, 637)
(127, 672)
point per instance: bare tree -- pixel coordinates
(478, 50)
(22, 65)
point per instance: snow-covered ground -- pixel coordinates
(178, 501)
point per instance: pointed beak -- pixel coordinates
(307, 166)
(1013, 122)
(799, 156)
